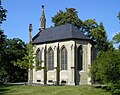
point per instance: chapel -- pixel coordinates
(64, 53)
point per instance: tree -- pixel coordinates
(116, 39)
(14, 49)
(2, 42)
(2, 13)
(96, 32)
(3, 73)
(89, 27)
(10, 50)
(104, 44)
(118, 16)
(106, 70)
(2, 36)
(28, 59)
(69, 16)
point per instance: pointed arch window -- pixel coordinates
(80, 58)
(50, 59)
(63, 59)
(39, 56)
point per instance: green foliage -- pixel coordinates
(118, 15)
(12, 50)
(38, 66)
(69, 16)
(29, 60)
(2, 38)
(116, 38)
(2, 13)
(106, 69)
(3, 75)
(3, 42)
(98, 34)
(115, 88)
(108, 66)
(87, 27)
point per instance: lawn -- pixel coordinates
(50, 90)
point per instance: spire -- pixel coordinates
(42, 19)
(30, 33)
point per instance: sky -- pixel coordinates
(21, 13)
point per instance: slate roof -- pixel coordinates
(58, 33)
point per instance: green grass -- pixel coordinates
(50, 90)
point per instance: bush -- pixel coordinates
(115, 89)
(106, 70)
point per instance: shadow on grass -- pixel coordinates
(4, 88)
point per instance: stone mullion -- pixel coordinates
(43, 67)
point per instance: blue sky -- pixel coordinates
(23, 12)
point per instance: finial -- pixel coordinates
(42, 20)
(42, 6)
(30, 33)
(30, 27)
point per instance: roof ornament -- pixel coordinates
(42, 20)
(30, 33)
